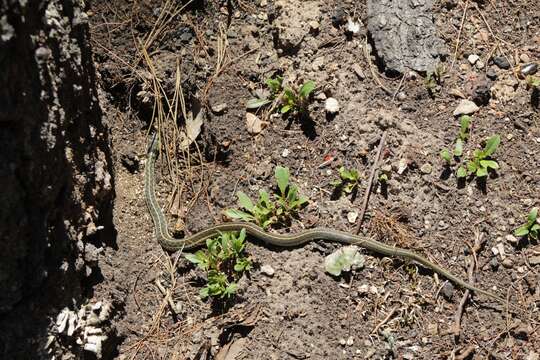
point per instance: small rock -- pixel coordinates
(353, 27)
(532, 356)
(511, 239)
(267, 270)
(350, 341)
(507, 263)
(448, 290)
(491, 74)
(534, 260)
(342, 342)
(426, 168)
(481, 93)
(352, 216)
(524, 58)
(285, 153)
(501, 62)
(473, 58)
(314, 26)
(494, 263)
(401, 96)
(466, 107)
(359, 72)
(480, 64)
(218, 108)
(331, 105)
(495, 251)
(529, 69)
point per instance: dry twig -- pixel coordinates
(374, 168)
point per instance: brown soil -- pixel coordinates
(389, 309)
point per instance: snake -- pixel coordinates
(197, 240)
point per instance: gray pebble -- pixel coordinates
(501, 62)
(448, 290)
(529, 69)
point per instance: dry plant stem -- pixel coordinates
(459, 33)
(385, 320)
(375, 77)
(370, 183)
(456, 328)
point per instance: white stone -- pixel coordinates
(267, 270)
(352, 216)
(331, 106)
(466, 107)
(285, 153)
(473, 58)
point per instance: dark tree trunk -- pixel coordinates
(55, 169)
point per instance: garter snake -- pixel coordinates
(172, 244)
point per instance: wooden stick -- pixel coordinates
(374, 168)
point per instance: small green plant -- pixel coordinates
(349, 180)
(463, 136)
(224, 262)
(289, 201)
(265, 212)
(275, 86)
(289, 100)
(530, 229)
(297, 101)
(481, 162)
(434, 79)
(533, 82)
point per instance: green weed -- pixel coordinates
(531, 228)
(224, 262)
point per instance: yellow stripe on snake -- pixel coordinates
(170, 243)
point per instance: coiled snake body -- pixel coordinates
(172, 244)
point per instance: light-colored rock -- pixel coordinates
(473, 58)
(352, 216)
(466, 107)
(267, 270)
(511, 239)
(285, 153)
(534, 260)
(331, 106)
(426, 168)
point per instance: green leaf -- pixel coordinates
(349, 187)
(489, 164)
(237, 214)
(383, 178)
(204, 292)
(471, 167)
(521, 231)
(445, 155)
(461, 172)
(285, 109)
(533, 215)
(343, 259)
(481, 171)
(282, 178)
(200, 258)
(257, 103)
(244, 201)
(491, 145)
(458, 149)
(306, 89)
(242, 265)
(230, 290)
(274, 84)
(264, 198)
(464, 122)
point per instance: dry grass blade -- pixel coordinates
(390, 228)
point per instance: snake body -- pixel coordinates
(169, 243)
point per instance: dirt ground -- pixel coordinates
(389, 309)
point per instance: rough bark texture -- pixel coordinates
(55, 168)
(404, 35)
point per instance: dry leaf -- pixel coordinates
(254, 124)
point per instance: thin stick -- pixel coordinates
(374, 168)
(456, 328)
(385, 320)
(459, 33)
